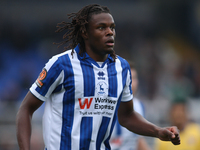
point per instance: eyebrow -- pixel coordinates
(105, 24)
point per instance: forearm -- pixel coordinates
(137, 124)
(23, 123)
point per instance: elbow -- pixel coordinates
(123, 120)
(122, 123)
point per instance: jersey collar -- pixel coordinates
(86, 56)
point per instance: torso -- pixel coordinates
(84, 101)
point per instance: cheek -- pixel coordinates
(95, 40)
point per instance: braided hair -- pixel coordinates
(78, 26)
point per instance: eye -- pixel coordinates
(112, 27)
(101, 28)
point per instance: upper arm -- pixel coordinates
(23, 119)
(30, 103)
(125, 110)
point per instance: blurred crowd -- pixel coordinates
(167, 59)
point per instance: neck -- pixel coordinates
(96, 55)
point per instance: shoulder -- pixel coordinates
(63, 54)
(61, 57)
(123, 61)
(57, 61)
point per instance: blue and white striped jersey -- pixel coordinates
(81, 100)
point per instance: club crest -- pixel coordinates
(102, 88)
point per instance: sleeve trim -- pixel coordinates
(36, 94)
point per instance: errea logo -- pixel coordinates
(101, 75)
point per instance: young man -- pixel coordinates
(83, 89)
(121, 138)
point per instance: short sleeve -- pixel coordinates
(127, 92)
(50, 77)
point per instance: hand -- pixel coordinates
(169, 134)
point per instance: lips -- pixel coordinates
(110, 42)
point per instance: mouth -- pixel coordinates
(110, 42)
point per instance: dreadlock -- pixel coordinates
(78, 26)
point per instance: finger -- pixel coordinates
(175, 130)
(176, 143)
(176, 140)
(170, 133)
(173, 136)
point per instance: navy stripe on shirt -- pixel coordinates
(102, 131)
(88, 79)
(86, 132)
(112, 80)
(68, 105)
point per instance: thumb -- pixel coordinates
(171, 133)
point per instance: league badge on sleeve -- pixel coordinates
(41, 77)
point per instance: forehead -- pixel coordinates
(102, 18)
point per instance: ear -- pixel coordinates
(84, 34)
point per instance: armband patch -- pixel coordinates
(41, 77)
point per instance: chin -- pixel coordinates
(109, 51)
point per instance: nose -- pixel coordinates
(110, 31)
